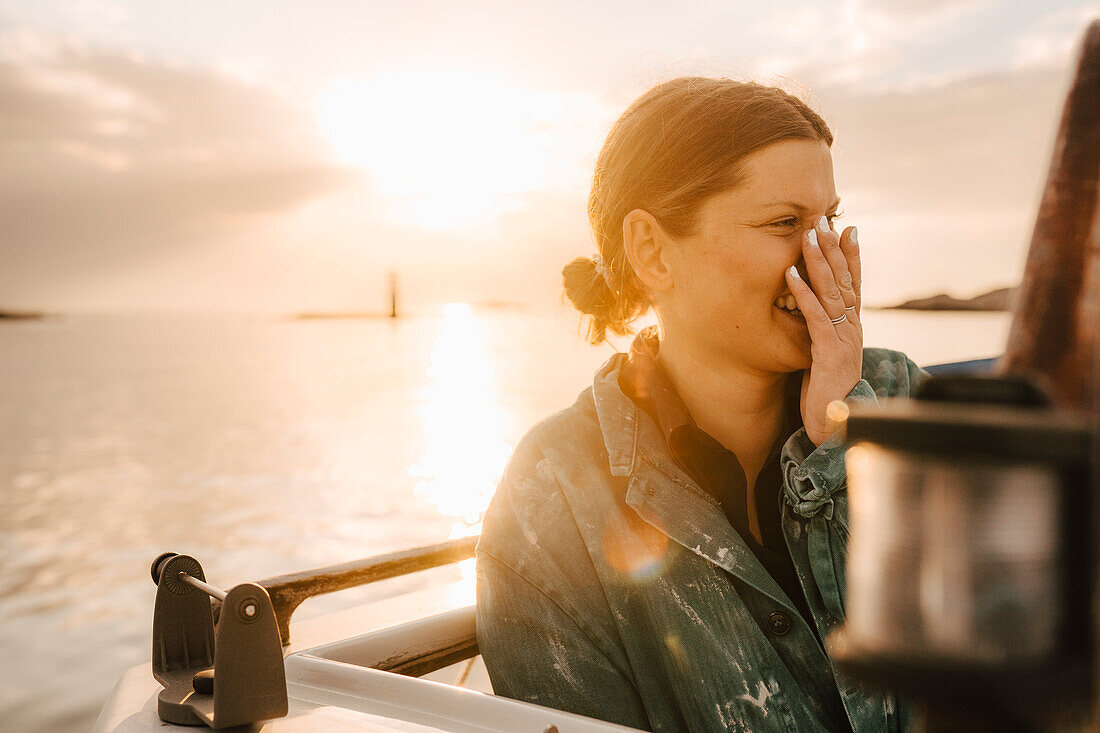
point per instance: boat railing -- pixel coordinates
(414, 648)
(290, 590)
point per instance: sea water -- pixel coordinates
(263, 445)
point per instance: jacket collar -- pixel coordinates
(646, 383)
(662, 493)
(617, 415)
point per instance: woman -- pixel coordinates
(668, 553)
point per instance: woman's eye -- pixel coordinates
(792, 221)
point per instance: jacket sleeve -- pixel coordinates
(537, 652)
(812, 474)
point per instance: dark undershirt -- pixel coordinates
(717, 469)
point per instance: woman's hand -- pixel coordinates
(836, 350)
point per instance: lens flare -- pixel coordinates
(636, 549)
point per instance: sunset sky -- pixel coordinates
(269, 157)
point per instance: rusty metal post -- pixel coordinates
(288, 591)
(1053, 337)
(1054, 329)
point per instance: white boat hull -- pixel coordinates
(333, 687)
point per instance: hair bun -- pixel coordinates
(585, 286)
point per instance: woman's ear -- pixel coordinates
(647, 247)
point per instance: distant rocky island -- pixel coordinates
(21, 315)
(1000, 299)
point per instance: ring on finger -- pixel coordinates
(841, 319)
(849, 307)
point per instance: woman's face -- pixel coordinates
(728, 275)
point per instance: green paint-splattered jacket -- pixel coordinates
(610, 584)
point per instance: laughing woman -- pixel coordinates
(668, 553)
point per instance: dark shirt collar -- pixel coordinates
(714, 467)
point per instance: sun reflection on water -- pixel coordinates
(463, 431)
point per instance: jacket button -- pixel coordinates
(779, 624)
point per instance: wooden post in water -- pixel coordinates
(393, 295)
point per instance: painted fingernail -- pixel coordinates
(812, 236)
(823, 224)
(854, 236)
(793, 272)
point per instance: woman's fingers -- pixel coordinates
(820, 270)
(817, 320)
(831, 247)
(849, 245)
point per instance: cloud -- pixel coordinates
(945, 180)
(1052, 42)
(855, 42)
(133, 180)
(108, 157)
(990, 132)
(909, 10)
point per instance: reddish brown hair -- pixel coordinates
(677, 145)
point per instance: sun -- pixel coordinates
(447, 148)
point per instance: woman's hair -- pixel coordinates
(677, 145)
